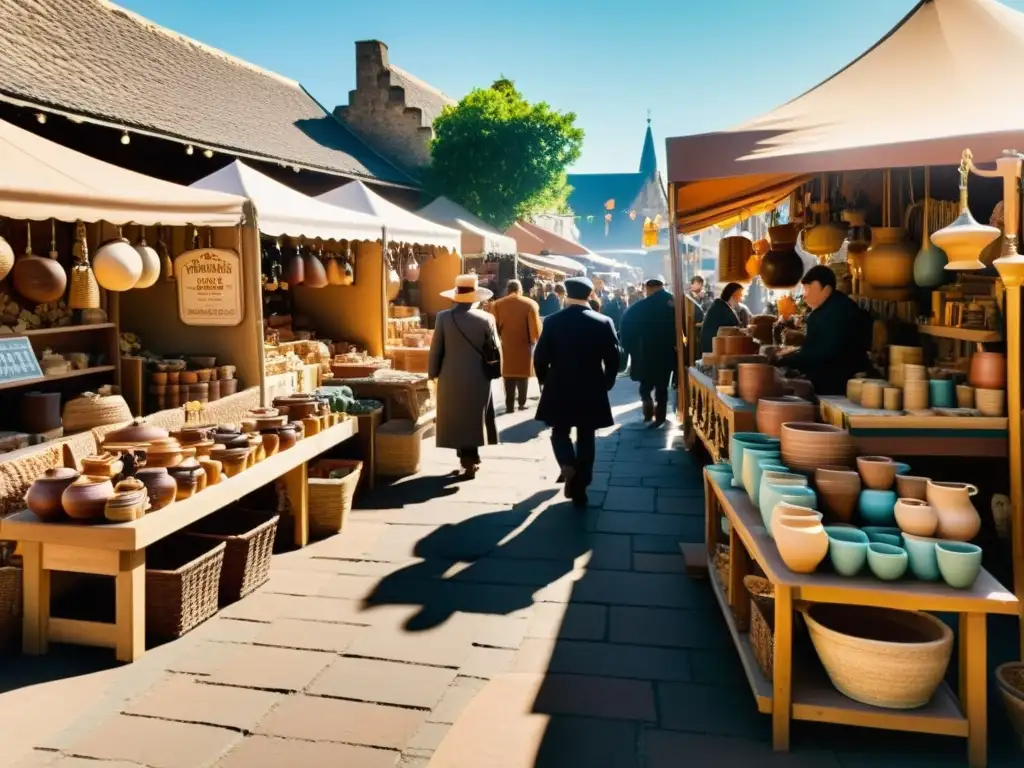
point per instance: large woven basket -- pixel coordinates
(10, 606)
(92, 410)
(762, 637)
(398, 447)
(249, 538)
(330, 499)
(733, 253)
(85, 291)
(182, 584)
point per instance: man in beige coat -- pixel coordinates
(518, 321)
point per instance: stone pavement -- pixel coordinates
(483, 624)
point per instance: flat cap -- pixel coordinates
(578, 288)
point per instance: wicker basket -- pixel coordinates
(330, 499)
(10, 606)
(733, 253)
(182, 583)
(762, 637)
(249, 538)
(722, 568)
(398, 445)
(85, 291)
(92, 410)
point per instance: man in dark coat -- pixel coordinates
(838, 335)
(577, 361)
(549, 304)
(649, 336)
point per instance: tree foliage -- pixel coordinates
(502, 157)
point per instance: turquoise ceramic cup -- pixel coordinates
(890, 530)
(847, 549)
(797, 495)
(886, 538)
(753, 458)
(721, 473)
(901, 468)
(959, 563)
(739, 442)
(876, 507)
(771, 476)
(942, 393)
(924, 562)
(887, 562)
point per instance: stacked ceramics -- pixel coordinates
(755, 380)
(773, 412)
(806, 446)
(839, 488)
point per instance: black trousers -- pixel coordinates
(579, 456)
(658, 407)
(468, 456)
(514, 387)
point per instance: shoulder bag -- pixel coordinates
(490, 355)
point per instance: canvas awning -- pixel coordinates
(543, 264)
(40, 180)
(533, 239)
(281, 210)
(478, 237)
(942, 94)
(402, 225)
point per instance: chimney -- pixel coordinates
(371, 61)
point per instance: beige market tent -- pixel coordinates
(935, 85)
(40, 179)
(478, 237)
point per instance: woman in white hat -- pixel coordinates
(465, 356)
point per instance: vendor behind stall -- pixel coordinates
(721, 314)
(838, 335)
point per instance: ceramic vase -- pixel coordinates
(910, 487)
(930, 265)
(889, 262)
(782, 480)
(778, 496)
(876, 507)
(839, 489)
(752, 468)
(878, 472)
(802, 543)
(739, 442)
(958, 519)
(86, 498)
(781, 267)
(755, 380)
(44, 495)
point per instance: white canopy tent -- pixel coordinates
(282, 210)
(402, 225)
(478, 237)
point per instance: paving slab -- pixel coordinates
(603, 659)
(623, 499)
(265, 752)
(486, 662)
(711, 709)
(455, 699)
(186, 699)
(647, 562)
(668, 627)
(315, 718)
(662, 749)
(275, 669)
(155, 743)
(575, 621)
(309, 635)
(384, 682)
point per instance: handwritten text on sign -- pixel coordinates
(209, 287)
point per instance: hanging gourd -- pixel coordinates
(295, 270)
(165, 258)
(85, 291)
(412, 269)
(6, 258)
(335, 274)
(38, 278)
(150, 262)
(117, 265)
(313, 269)
(394, 280)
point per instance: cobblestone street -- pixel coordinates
(455, 625)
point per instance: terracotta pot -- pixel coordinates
(256, 447)
(203, 448)
(802, 541)
(193, 435)
(189, 478)
(296, 272)
(889, 262)
(958, 519)
(136, 432)
(806, 446)
(296, 407)
(86, 497)
(164, 453)
(233, 460)
(916, 517)
(159, 484)
(988, 370)
(877, 472)
(910, 487)
(740, 345)
(271, 442)
(213, 470)
(311, 425)
(755, 380)
(117, 265)
(773, 412)
(44, 495)
(39, 278)
(838, 488)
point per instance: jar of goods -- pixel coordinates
(958, 519)
(189, 478)
(988, 369)
(129, 502)
(233, 460)
(159, 484)
(86, 498)
(212, 468)
(44, 495)
(889, 262)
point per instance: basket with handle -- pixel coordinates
(248, 536)
(330, 498)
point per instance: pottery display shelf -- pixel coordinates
(119, 549)
(800, 689)
(713, 416)
(889, 433)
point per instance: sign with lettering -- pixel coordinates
(18, 360)
(209, 287)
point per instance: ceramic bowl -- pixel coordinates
(876, 507)
(847, 549)
(794, 495)
(806, 446)
(801, 541)
(923, 557)
(878, 472)
(887, 562)
(785, 509)
(722, 473)
(959, 563)
(753, 458)
(885, 538)
(911, 487)
(742, 440)
(916, 517)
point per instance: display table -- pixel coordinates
(714, 417)
(890, 433)
(119, 549)
(800, 689)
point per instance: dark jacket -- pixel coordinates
(577, 362)
(549, 305)
(649, 336)
(838, 338)
(613, 308)
(720, 315)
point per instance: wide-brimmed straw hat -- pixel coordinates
(467, 290)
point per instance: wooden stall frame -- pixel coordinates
(714, 417)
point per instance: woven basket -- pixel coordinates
(762, 637)
(85, 291)
(722, 567)
(330, 500)
(761, 592)
(249, 538)
(10, 606)
(733, 253)
(182, 584)
(92, 410)
(398, 446)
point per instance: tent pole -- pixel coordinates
(678, 298)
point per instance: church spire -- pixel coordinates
(648, 158)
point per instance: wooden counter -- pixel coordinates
(714, 416)
(800, 689)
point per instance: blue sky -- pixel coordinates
(698, 66)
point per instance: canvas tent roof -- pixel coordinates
(531, 239)
(942, 64)
(544, 263)
(478, 237)
(40, 179)
(402, 225)
(280, 210)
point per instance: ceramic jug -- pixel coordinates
(958, 519)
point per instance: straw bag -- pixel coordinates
(85, 291)
(92, 410)
(733, 253)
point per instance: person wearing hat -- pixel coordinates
(463, 354)
(577, 362)
(649, 336)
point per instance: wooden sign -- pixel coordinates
(209, 284)
(18, 360)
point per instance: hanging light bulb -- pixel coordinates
(207, 153)
(190, 150)
(41, 118)
(125, 138)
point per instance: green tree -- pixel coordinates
(502, 157)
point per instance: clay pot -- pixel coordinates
(129, 502)
(256, 447)
(296, 407)
(838, 488)
(233, 460)
(271, 442)
(802, 541)
(212, 468)
(40, 412)
(755, 380)
(39, 278)
(739, 345)
(335, 274)
(958, 519)
(296, 272)
(910, 487)
(773, 412)
(781, 267)
(189, 477)
(287, 435)
(188, 377)
(988, 370)
(889, 262)
(806, 446)
(136, 432)
(193, 435)
(159, 484)
(44, 495)
(203, 448)
(916, 517)
(166, 452)
(204, 375)
(787, 511)
(86, 497)
(311, 425)
(117, 265)
(877, 472)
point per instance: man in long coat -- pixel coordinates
(518, 321)
(577, 362)
(649, 336)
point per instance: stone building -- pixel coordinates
(391, 110)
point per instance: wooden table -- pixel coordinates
(714, 417)
(119, 549)
(889, 433)
(799, 689)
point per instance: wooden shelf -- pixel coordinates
(65, 330)
(96, 369)
(959, 334)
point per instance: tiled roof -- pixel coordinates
(590, 191)
(421, 95)
(92, 59)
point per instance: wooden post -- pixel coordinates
(678, 298)
(36, 592)
(297, 486)
(130, 598)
